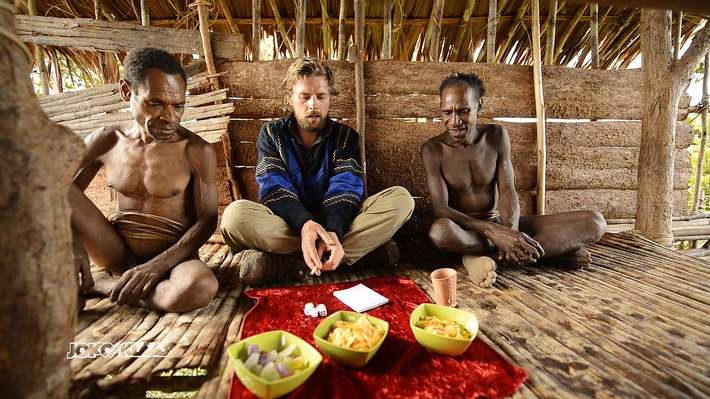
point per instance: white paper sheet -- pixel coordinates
(360, 298)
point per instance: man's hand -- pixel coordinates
(316, 242)
(334, 252)
(515, 247)
(136, 283)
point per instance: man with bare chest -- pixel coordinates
(470, 180)
(164, 176)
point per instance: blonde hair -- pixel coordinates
(306, 67)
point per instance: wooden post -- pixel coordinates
(433, 31)
(301, 28)
(325, 27)
(39, 55)
(341, 30)
(678, 32)
(145, 13)
(203, 15)
(255, 29)
(551, 29)
(39, 300)
(703, 137)
(281, 29)
(492, 27)
(387, 30)
(360, 84)
(539, 108)
(594, 33)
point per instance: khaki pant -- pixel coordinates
(247, 224)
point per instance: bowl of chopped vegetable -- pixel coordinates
(350, 338)
(443, 329)
(273, 363)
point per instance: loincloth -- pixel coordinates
(491, 216)
(160, 228)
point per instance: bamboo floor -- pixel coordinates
(633, 324)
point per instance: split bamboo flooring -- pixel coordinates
(633, 324)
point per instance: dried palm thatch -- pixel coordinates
(462, 38)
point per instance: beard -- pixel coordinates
(309, 126)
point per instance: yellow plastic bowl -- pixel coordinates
(273, 340)
(439, 343)
(345, 356)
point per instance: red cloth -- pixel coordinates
(401, 368)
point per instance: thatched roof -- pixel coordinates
(463, 31)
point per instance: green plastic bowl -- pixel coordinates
(439, 343)
(267, 341)
(345, 356)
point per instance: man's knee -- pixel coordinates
(198, 289)
(595, 224)
(232, 216)
(440, 233)
(403, 200)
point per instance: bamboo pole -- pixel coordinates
(145, 13)
(387, 30)
(703, 137)
(396, 24)
(203, 16)
(281, 29)
(255, 29)
(360, 85)
(511, 32)
(570, 28)
(539, 109)
(233, 26)
(341, 30)
(491, 33)
(325, 27)
(594, 33)
(58, 84)
(461, 30)
(551, 30)
(300, 28)
(433, 30)
(678, 32)
(39, 55)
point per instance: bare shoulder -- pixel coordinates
(433, 145)
(494, 133)
(197, 148)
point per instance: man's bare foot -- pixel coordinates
(481, 269)
(104, 282)
(579, 259)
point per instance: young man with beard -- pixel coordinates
(312, 216)
(470, 180)
(164, 176)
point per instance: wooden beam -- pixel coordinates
(233, 26)
(93, 35)
(387, 30)
(341, 29)
(280, 28)
(539, 108)
(701, 7)
(360, 84)
(551, 30)
(255, 29)
(461, 30)
(594, 34)
(491, 31)
(433, 31)
(325, 27)
(301, 28)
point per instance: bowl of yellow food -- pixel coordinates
(443, 329)
(273, 363)
(350, 338)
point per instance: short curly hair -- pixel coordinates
(463, 79)
(139, 61)
(307, 67)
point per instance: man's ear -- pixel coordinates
(124, 90)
